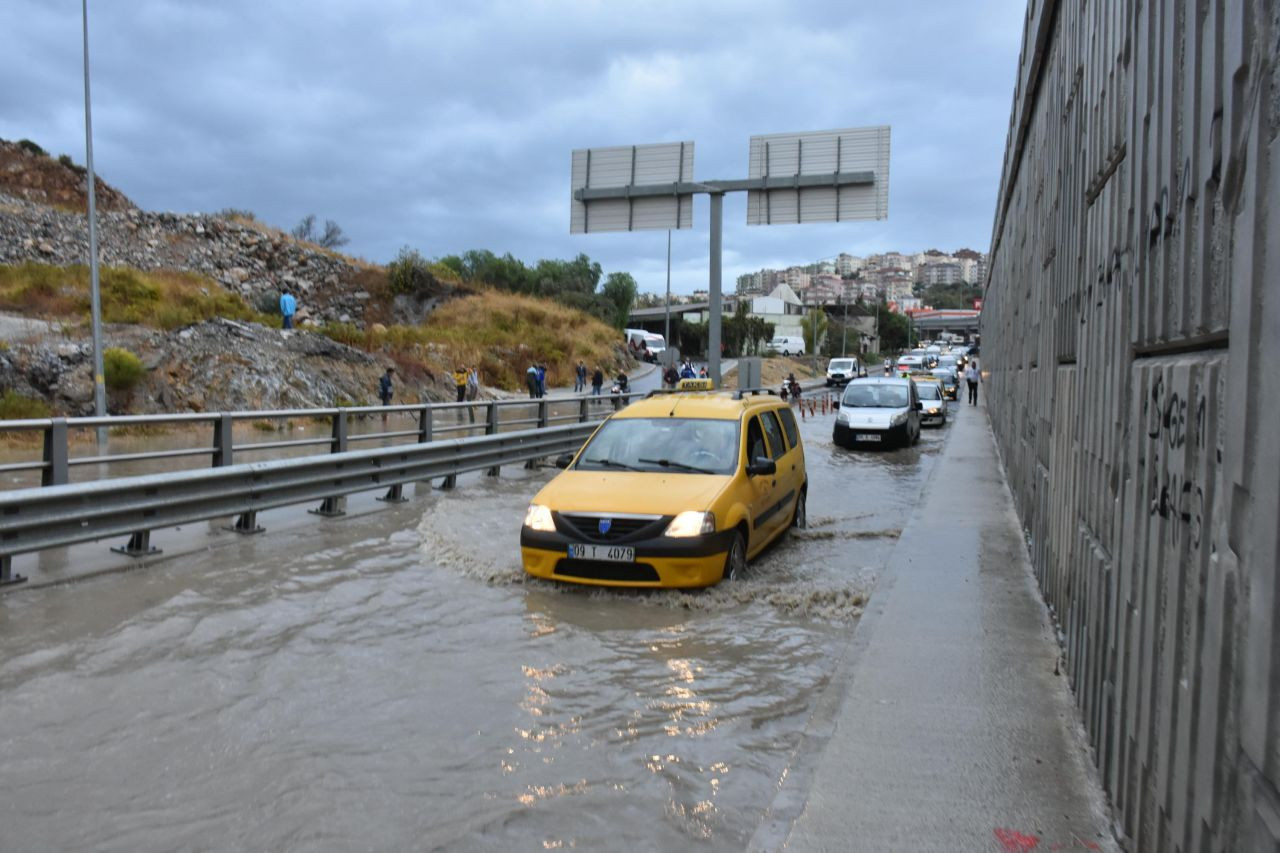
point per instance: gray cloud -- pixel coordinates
(449, 126)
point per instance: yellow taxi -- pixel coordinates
(676, 490)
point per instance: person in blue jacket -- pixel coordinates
(288, 307)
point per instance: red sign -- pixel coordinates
(977, 304)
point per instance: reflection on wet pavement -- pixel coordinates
(395, 681)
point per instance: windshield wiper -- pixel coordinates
(609, 463)
(667, 463)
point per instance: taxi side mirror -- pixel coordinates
(762, 466)
(920, 406)
(564, 460)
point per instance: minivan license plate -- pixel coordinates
(866, 436)
(611, 553)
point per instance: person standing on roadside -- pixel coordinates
(384, 390)
(542, 380)
(288, 307)
(670, 376)
(597, 381)
(972, 377)
(580, 377)
(460, 383)
(531, 380)
(473, 383)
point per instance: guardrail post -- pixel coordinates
(424, 425)
(395, 494)
(55, 454)
(223, 443)
(542, 424)
(584, 410)
(491, 428)
(6, 572)
(139, 545)
(337, 505)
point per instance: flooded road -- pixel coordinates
(393, 681)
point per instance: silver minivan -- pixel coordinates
(878, 410)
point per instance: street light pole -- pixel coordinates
(666, 326)
(95, 298)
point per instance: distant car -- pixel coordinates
(841, 370)
(949, 361)
(950, 382)
(878, 410)
(908, 363)
(933, 402)
(787, 345)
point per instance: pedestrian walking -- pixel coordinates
(580, 377)
(597, 381)
(384, 390)
(288, 307)
(460, 383)
(972, 377)
(531, 380)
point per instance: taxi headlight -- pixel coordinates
(691, 523)
(538, 517)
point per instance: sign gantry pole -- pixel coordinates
(819, 176)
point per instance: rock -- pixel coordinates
(45, 247)
(378, 329)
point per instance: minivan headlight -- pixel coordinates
(538, 517)
(899, 419)
(691, 523)
(842, 417)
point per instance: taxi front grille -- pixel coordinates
(587, 527)
(604, 570)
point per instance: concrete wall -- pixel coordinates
(1131, 337)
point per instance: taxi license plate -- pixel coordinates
(610, 553)
(867, 436)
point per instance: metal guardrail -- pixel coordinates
(61, 513)
(430, 423)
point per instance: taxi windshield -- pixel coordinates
(669, 445)
(874, 396)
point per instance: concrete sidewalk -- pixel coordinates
(946, 726)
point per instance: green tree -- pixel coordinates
(619, 291)
(814, 325)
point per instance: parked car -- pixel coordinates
(788, 345)
(878, 410)
(841, 370)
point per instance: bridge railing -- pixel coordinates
(59, 512)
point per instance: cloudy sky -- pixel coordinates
(449, 126)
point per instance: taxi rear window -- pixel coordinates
(789, 424)
(774, 431)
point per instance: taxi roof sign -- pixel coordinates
(695, 385)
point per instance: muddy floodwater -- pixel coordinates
(393, 681)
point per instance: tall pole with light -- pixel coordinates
(95, 298)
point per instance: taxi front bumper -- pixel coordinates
(663, 561)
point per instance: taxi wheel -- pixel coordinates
(735, 562)
(800, 519)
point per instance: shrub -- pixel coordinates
(30, 147)
(410, 273)
(121, 369)
(15, 406)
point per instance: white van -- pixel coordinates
(646, 345)
(787, 345)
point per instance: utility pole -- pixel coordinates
(95, 298)
(666, 326)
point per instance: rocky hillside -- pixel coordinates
(219, 365)
(28, 173)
